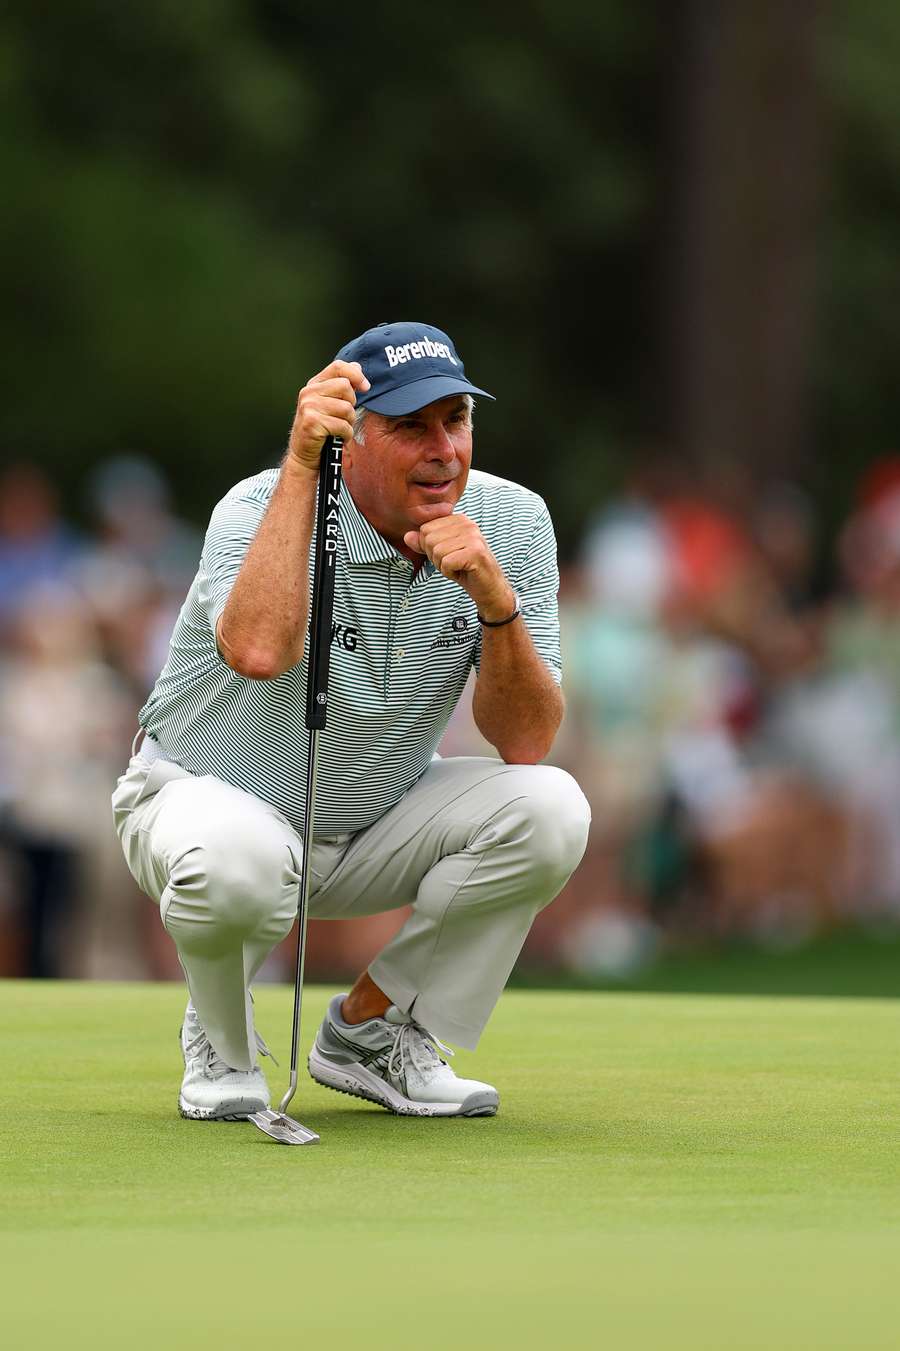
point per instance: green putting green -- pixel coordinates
(667, 1171)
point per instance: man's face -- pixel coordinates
(411, 469)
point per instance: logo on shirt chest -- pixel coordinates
(455, 633)
(345, 636)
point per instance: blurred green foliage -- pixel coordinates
(208, 199)
(204, 200)
(157, 305)
(857, 383)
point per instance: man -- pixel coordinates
(439, 569)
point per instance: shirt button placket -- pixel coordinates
(402, 565)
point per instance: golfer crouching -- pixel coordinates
(440, 568)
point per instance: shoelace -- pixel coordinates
(263, 1048)
(419, 1046)
(215, 1065)
(260, 1044)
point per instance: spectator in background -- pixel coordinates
(841, 724)
(687, 635)
(132, 504)
(63, 717)
(83, 620)
(36, 546)
(736, 729)
(783, 524)
(140, 565)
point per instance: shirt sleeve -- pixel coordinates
(534, 575)
(232, 526)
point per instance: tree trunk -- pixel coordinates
(741, 233)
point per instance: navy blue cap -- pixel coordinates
(407, 366)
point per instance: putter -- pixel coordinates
(278, 1125)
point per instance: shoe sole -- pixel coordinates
(358, 1082)
(238, 1109)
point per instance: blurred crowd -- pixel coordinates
(733, 692)
(85, 617)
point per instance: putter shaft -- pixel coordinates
(279, 1126)
(311, 767)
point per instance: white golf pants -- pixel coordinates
(477, 847)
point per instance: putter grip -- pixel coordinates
(322, 601)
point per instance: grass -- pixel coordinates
(674, 1171)
(848, 961)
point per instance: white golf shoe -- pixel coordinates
(396, 1063)
(212, 1090)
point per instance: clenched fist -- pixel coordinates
(326, 406)
(457, 548)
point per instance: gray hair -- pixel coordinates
(359, 429)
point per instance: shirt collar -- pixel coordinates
(362, 542)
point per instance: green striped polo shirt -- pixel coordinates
(402, 647)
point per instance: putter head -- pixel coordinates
(283, 1128)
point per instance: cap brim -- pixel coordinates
(417, 394)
